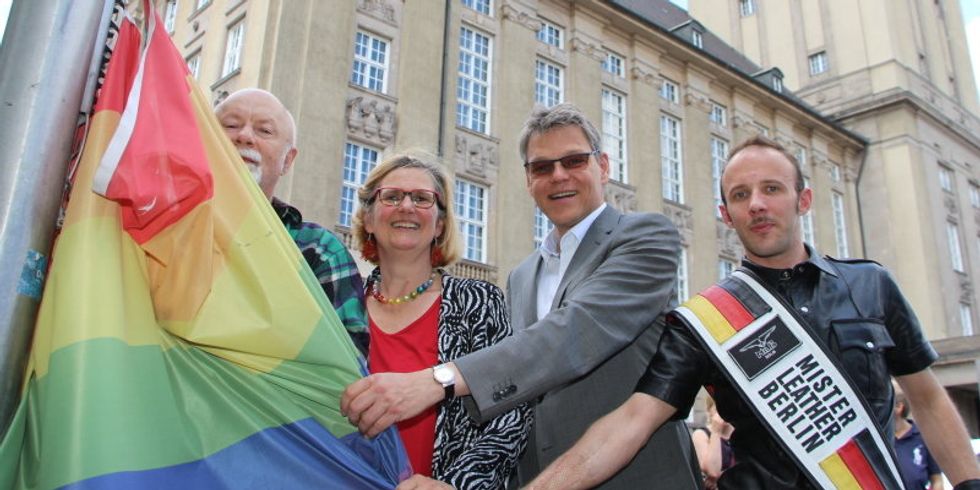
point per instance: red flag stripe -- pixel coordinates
(857, 462)
(729, 307)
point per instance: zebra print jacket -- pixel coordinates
(473, 315)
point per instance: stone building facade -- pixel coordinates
(457, 78)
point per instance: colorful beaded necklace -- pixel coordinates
(374, 289)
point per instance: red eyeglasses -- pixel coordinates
(421, 198)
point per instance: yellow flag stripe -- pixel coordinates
(712, 319)
(839, 473)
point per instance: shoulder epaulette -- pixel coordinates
(852, 260)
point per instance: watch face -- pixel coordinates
(443, 375)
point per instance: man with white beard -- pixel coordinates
(264, 133)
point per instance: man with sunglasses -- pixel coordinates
(587, 310)
(264, 134)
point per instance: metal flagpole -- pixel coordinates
(49, 60)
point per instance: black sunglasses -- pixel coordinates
(542, 168)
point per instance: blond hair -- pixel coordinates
(447, 244)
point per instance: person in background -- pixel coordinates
(264, 134)
(421, 317)
(919, 470)
(712, 445)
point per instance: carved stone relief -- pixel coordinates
(474, 155)
(697, 99)
(681, 217)
(741, 119)
(621, 197)
(380, 9)
(966, 290)
(950, 202)
(728, 241)
(590, 49)
(645, 75)
(526, 19)
(371, 119)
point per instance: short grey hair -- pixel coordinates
(544, 119)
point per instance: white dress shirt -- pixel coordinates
(556, 256)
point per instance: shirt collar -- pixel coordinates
(289, 215)
(550, 244)
(814, 259)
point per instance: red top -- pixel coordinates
(414, 348)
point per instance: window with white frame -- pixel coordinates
(370, 68)
(719, 152)
(840, 224)
(670, 92)
(473, 81)
(725, 268)
(542, 226)
(975, 196)
(613, 63)
(946, 178)
(358, 162)
(551, 34)
(672, 170)
(966, 319)
(548, 83)
(801, 157)
(718, 114)
(471, 208)
(955, 253)
(614, 133)
(746, 7)
(818, 63)
(807, 221)
(170, 16)
(194, 65)
(233, 48)
(697, 39)
(481, 6)
(682, 276)
(777, 84)
(835, 172)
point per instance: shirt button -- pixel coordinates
(804, 309)
(870, 345)
(785, 274)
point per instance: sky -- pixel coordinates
(971, 15)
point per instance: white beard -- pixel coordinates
(253, 160)
(255, 171)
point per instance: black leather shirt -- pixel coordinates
(853, 306)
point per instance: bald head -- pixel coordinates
(263, 131)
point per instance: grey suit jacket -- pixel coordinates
(585, 357)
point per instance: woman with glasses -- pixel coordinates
(421, 317)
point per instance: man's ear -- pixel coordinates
(725, 217)
(604, 167)
(287, 163)
(806, 199)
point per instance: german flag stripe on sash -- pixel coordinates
(746, 296)
(723, 313)
(850, 466)
(730, 308)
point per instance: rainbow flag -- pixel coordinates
(182, 341)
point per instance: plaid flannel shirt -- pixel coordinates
(334, 267)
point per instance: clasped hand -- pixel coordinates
(376, 402)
